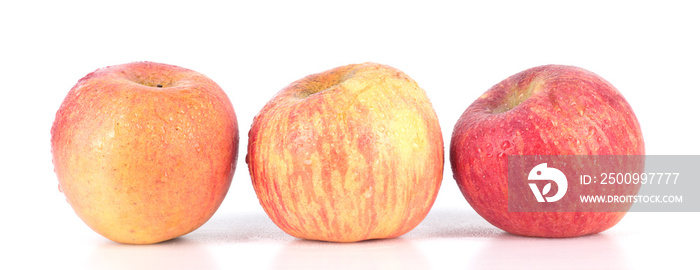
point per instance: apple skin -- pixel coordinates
(546, 110)
(145, 152)
(349, 154)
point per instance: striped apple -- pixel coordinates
(349, 154)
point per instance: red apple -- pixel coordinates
(349, 154)
(546, 110)
(145, 152)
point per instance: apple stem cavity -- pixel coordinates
(312, 91)
(518, 96)
(332, 80)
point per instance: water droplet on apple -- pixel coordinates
(600, 139)
(591, 130)
(59, 188)
(368, 193)
(98, 145)
(505, 145)
(500, 155)
(556, 142)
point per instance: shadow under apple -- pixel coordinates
(453, 223)
(227, 228)
(178, 253)
(508, 251)
(394, 253)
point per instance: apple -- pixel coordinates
(145, 152)
(547, 110)
(345, 155)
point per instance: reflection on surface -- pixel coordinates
(178, 253)
(454, 224)
(508, 251)
(375, 254)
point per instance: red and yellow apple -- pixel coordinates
(546, 110)
(349, 154)
(145, 152)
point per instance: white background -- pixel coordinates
(454, 50)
